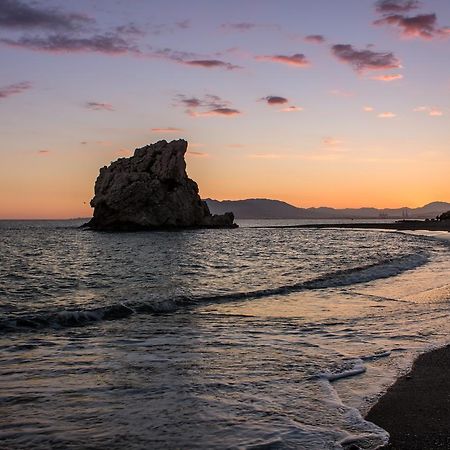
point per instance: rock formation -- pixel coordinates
(151, 190)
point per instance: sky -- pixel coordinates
(341, 103)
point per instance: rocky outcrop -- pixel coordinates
(151, 190)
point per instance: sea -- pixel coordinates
(250, 338)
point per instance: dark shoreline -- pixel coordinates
(416, 408)
(410, 225)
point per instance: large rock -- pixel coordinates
(151, 190)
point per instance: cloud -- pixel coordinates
(396, 6)
(110, 44)
(296, 60)
(43, 152)
(331, 142)
(211, 64)
(432, 111)
(315, 38)
(192, 59)
(387, 78)
(386, 115)
(215, 112)
(435, 112)
(183, 24)
(191, 102)
(130, 29)
(362, 60)
(13, 89)
(163, 28)
(95, 106)
(209, 105)
(243, 27)
(15, 14)
(292, 109)
(197, 154)
(422, 25)
(275, 100)
(368, 108)
(167, 130)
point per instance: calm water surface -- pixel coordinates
(248, 338)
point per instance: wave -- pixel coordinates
(73, 318)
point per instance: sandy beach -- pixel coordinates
(416, 409)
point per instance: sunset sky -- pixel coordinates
(315, 102)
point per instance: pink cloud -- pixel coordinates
(14, 89)
(432, 111)
(16, 14)
(315, 38)
(227, 112)
(274, 100)
(292, 109)
(96, 106)
(387, 78)
(108, 44)
(209, 105)
(243, 27)
(212, 64)
(422, 26)
(331, 142)
(368, 108)
(361, 60)
(296, 60)
(386, 115)
(191, 59)
(396, 6)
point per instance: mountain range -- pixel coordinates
(262, 208)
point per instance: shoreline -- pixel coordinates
(415, 410)
(410, 225)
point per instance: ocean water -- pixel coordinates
(254, 338)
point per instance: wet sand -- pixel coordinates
(416, 409)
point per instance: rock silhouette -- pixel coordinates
(151, 190)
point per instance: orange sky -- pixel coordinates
(274, 104)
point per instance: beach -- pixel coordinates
(416, 409)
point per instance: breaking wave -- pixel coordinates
(72, 318)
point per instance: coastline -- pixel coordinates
(416, 408)
(409, 225)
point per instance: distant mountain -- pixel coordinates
(255, 208)
(262, 208)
